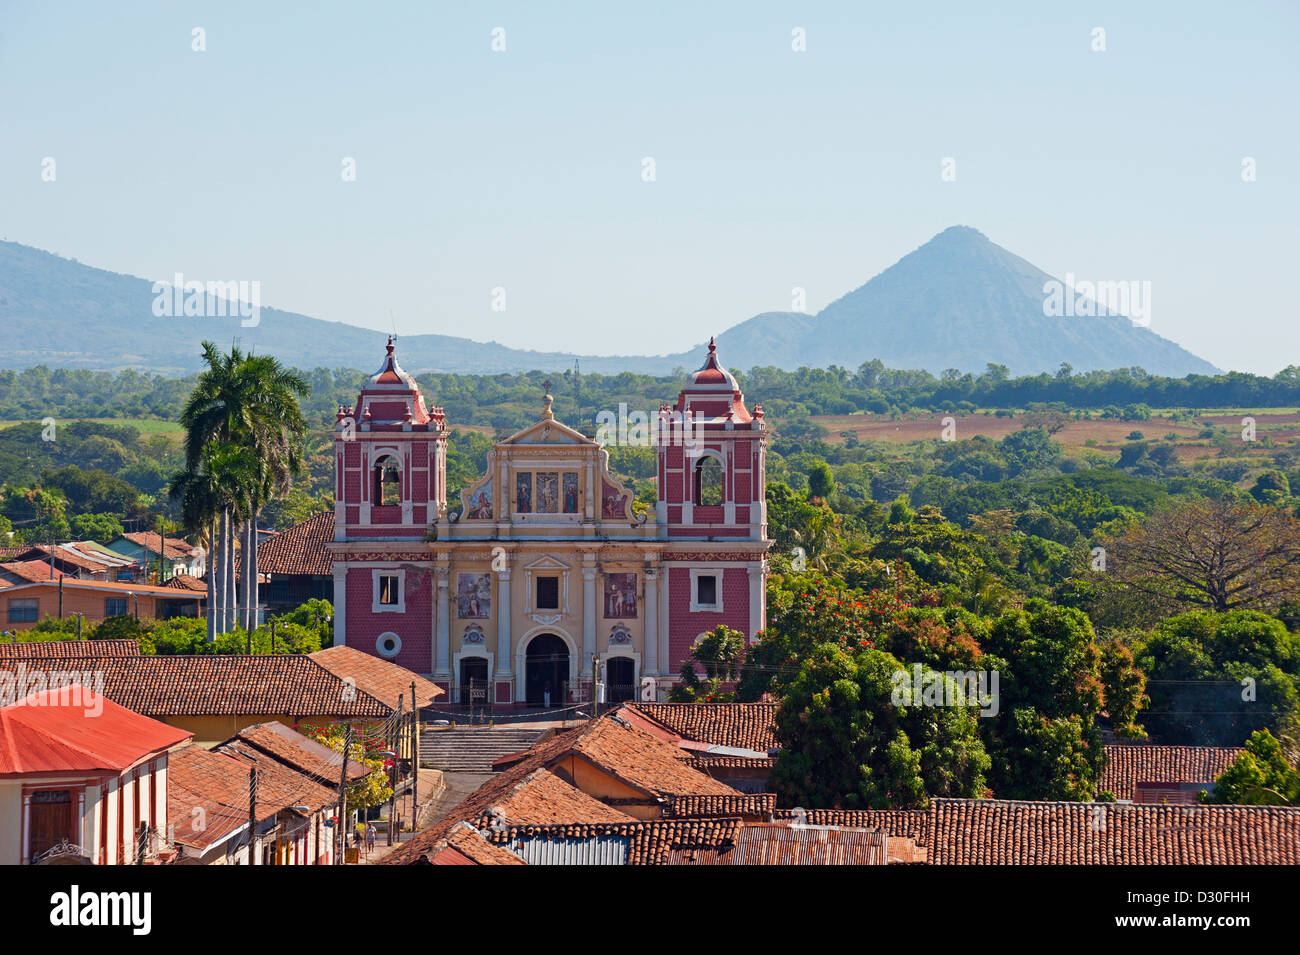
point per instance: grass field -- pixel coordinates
(146, 426)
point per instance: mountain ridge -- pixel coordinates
(959, 301)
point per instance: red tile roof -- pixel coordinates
(1128, 764)
(173, 547)
(300, 753)
(727, 806)
(186, 582)
(682, 841)
(66, 649)
(299, 549)
(290, 685)
(383, 680)
(742, 725)
(465, 846)
(32, 571)
(636, 758)
(70, 729)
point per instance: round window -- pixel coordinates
(389, 645)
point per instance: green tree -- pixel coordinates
(1261, 776)
(847, 743)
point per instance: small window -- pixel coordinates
(23, 611)
(548, 593)
(706, 590)
(115, 607)
(708, 482)
(389, 590)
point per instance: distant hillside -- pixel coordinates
(959, 301)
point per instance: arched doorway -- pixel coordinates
(474, 682)
(620, 674)
(546, 669)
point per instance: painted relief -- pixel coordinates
(480, 503)
(524, 492)
(473, 596)
(548, 492)
(620, 596)
(570, 492)
(613, 502)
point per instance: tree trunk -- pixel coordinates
(212, 581)
(232, 576)
(256, 584)
(250, 581)
(222, 569)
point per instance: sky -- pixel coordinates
(524, 169)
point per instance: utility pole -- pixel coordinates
(415, 759)
(392, 799)
(252, 813)
(343, 796)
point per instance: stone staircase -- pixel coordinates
(472, 749)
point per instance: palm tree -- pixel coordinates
(249, 402)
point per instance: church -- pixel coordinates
(543, 579)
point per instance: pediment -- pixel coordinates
(550, 432)
(547, 563)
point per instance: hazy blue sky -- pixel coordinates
(522, 169)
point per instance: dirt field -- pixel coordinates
(1107, 435)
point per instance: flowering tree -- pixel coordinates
(373, 788)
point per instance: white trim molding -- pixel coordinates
(375, 605)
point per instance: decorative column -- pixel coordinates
(340, 606)
(665, 658)
(756, 576)
(442, 626)
(504, 657)
(651, 619)
(588, 612)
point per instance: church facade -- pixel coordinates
(542, 578)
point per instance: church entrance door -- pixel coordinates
(546, 670)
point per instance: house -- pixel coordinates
(11, 653)
(82, 779)
(209, 797)
(215, 696)
(30, 599)
(297, 565)
(152, 551)
(1149, 773)
(543, 580)
(82, 559)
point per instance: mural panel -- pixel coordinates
(473, 596)
(620, 596)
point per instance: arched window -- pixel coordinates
(388, 482)
(708, 481)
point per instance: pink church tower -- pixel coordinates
(712, 508)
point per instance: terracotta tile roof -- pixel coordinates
(642, 761)
(736, 804)
(682, 841)
(742, 725)
(69, 555)
(173, 547)
(466, 846)
(71, 730)
(186, 582)
(383, 680)
(707, 761)
(32, 571)
(216, 784)
(638, 759)
(915, 824)
(1006, 832)
(543, 799)
(298, 752)
(1128, 764)
(299, 549)
(217, 781)
(68, 649)
(110, 586)
(228, 685)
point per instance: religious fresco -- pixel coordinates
(524, 492)
(613, 503)
(570, 492)
(473, 596)
(620, 596)
(548, 492)
(480, 503)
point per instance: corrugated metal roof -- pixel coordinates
(596, 850)
(807, 845)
